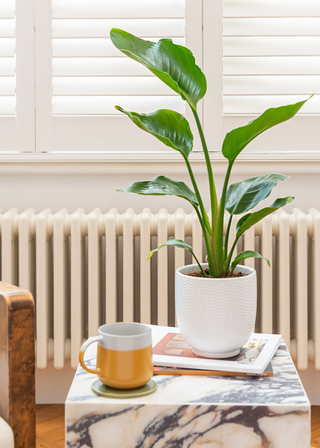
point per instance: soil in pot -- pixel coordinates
(228, 274)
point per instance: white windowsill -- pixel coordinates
(157, 163)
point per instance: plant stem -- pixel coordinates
(227, 239)
(196, 190)
(217, 230)
(205, 224)
(213, 194)
(211, 258)
(201, 268)
(228, 259)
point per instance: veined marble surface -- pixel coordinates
(191, 411)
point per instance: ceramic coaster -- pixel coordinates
(105, 391)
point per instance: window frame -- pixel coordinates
(33, 125)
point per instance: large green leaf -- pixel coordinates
(245, 195)
(174, 64)
(160, 186)
(251, 219)
(236, 140)
(182, 245)
(244, 255)
(167, 126)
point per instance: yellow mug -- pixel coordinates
(124, 355)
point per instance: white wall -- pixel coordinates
(41, 190)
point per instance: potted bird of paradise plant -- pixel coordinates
(215, 301)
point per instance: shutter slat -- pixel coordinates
(92, 9)
(7, 28)
(63, 105)
(271, 8)
(258, 104)
(101, 27)
(97, 67)
(304, 65)
(271, 46)
(271, 85)
(271, 27)
(96, 47)
(7, 47)
(7, 9)
(7, 66)
(7, 85)
(7, 105)
(110, 86)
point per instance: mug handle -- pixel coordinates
(83, 348)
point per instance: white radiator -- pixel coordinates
(88, 269)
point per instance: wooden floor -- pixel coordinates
(50, 426)
(315, 427)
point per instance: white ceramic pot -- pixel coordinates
(216, 316)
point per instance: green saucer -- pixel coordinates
(109, 392)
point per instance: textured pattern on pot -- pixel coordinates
(216, 316)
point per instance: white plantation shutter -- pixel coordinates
(271, 54)
(16, 76)
(90, 75)
(264, 53)
(83, 76)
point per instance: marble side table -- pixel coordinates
(191, 411)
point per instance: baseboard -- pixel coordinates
(52, 385)
(311, 382)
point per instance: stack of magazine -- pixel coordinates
(173, 356)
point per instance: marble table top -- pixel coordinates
(283, 388)
(194, 412)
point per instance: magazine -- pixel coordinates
(165, 370)
(170, 350)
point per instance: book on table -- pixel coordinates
(171, 351)
(165, 370)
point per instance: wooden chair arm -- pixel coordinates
(17, 363)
